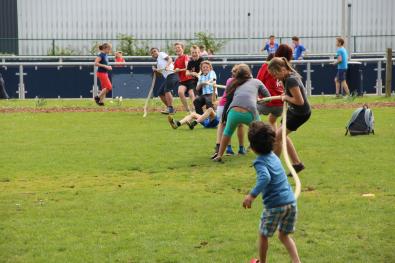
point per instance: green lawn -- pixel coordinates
(114, 187)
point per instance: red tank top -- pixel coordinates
(274, 87)
(181, 63)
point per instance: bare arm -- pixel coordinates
(296, 99)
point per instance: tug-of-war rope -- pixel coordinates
(295, 176)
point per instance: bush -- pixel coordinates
(131, 46)
(208, 41)
(201, 38)
(62, 51)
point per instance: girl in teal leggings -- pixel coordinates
(241, 106)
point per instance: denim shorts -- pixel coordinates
(283, 217)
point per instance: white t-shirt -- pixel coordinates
(161, 63)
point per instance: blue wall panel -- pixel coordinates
(73, 82)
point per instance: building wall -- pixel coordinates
(174, 19)
(8, 27)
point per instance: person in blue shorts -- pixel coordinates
(208, 119)
(342, 65)
(280, 208)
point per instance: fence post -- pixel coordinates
(379, 81)
(53, 47)
(308, 79)
(21, 88)
(388, 73)
(95, 88)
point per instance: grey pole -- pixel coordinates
(343, 18)
(21, 88)
(249, 33)
(349, 23)
(379, 80)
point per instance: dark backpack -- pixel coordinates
(362, 122)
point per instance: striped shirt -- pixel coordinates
(207, 89)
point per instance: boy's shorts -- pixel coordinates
(190, 84)
(171, 83)
(105, 82)
(283, 217)
(341, 74)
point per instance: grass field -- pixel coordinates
(114, 187)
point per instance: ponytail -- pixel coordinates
(104, 46)
(277, 63)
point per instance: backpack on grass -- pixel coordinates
(362, 122)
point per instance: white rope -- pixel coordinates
(267, 99)
(295, 176)
(149, 95)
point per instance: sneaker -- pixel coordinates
(242, 151)
(166, 111)
(214, 156)
(172, 122)
(100, 103)
(172, 111)
(298, 168)
(97, 100)
(229, 151)
(218, 159)
(191, 124)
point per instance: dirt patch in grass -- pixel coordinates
(158, 109)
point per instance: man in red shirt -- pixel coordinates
(187, 84)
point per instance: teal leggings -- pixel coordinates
(235, 118)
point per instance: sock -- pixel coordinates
(178, 123)
(194, 123)
(229, 147)
(217, 147)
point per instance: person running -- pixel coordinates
(299, 110)
(299, 49)
(205, 87)
(241, 105)
(273, 108)
(280, 209)
(165, 66)
(187, 83)
(221, 125)
(101, 62)
(342, 65)
(270, 46)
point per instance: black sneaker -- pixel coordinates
(298, 168)
(191, 125)
(97, 100)
(172, 122)
(100, 103)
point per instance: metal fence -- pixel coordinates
(51, 46)
(308, 70)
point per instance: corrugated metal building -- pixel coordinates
(174, 19)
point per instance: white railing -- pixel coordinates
(214, 57)
(308, 71)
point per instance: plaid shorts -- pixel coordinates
(283, 217)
